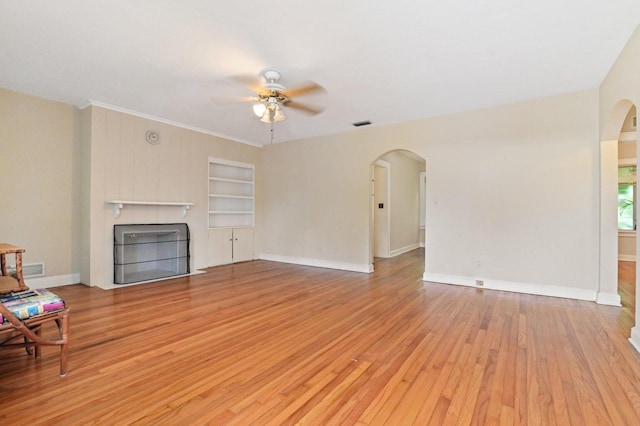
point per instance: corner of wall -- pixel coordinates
(635, 338)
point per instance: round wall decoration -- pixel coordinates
(152, 137)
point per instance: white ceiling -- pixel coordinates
(379, 60)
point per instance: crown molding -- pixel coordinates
(165, 121)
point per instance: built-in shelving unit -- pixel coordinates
(119, 205)
(231, 192)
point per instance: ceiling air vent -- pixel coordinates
(361, 123)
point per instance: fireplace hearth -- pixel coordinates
(147, 252)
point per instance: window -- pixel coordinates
(626, 197)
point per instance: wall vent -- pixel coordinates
(29, 270)
(361, 123)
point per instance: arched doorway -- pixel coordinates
(397, 204)
(616, 133)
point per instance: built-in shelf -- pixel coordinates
(230, 212)
(231, 180)
(241, 197)
(119, 205)
(231, 192)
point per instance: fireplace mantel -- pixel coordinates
(119, 204)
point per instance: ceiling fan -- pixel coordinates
(272, 97)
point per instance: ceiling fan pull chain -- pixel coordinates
(272, 131)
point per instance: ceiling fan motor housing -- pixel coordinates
(272, 89)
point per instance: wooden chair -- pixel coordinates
(24, 312)
(22, 316)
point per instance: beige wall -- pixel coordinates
(627, 151)
(524, 216)
(317, 203)
(621, 84)
(123, 166)
(39, 181)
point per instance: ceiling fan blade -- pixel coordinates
(224, 101)
(309, 87)
(254, 83)
(312, 110)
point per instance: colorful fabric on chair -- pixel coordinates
(26, 304)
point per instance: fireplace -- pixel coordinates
(146, 252)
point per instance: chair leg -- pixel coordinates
(29, 349)
(63, 326)
(38, 351)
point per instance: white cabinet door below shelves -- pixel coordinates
(242, 244)
(230, 245)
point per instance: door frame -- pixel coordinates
(375, 200)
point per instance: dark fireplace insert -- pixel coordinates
(147, 252)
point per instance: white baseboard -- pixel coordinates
(626, 258)
(55, 281)
(611, 299)
(405, 249)
(517, 287)
(320, 263)
(112, 286)
(635, 338)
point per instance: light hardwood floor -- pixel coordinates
(268, 343)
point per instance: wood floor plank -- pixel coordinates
(271, 343)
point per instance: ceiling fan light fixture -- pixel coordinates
(271, 97)
(266, 117)
(259, 108)
(278, 114)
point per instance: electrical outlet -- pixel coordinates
(479, 283)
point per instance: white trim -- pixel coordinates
(626, 258)
(405, 249)
(54, 281)
(611, 299)
(635, 338)
(165, 121)
(60, 280)
(112, 286)
(319, 263)
(119, 205)
(232, 163)
(516, 287)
